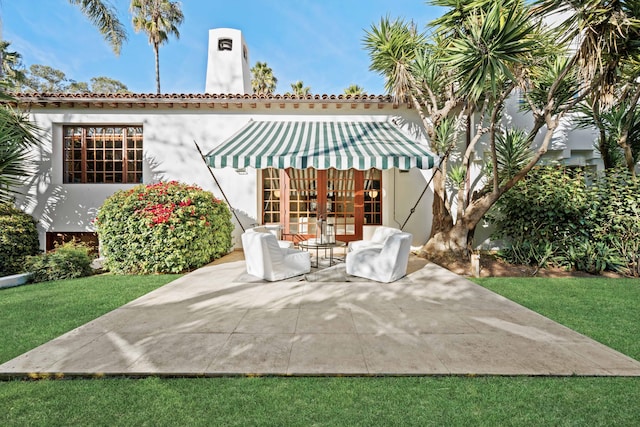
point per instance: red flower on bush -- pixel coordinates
(158, 213)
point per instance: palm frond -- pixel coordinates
(18, 136)
(606, 36)
(263, 81)
(105, 18)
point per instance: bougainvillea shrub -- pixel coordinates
(168, 227)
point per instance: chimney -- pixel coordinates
(228, 70)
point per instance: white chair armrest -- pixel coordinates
(358, 245)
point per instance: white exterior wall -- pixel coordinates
(401, 192)
(569, 145)
(170, 154)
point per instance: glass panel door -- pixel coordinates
(302, 202)
(298, 198)
(271, 196)
(372, 197)
(341, 202)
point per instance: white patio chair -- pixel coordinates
(267, 260)
(276, 231)
(386, 264)
(377, 240)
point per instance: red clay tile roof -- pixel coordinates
(199, 96)
(142, 100)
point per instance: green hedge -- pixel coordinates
(556, 216)
(168, 227)
(614, 218)
(18, 239)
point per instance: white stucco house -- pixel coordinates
(359, 162)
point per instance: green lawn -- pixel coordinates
(599, 308)
(34, 314)
(603, 309)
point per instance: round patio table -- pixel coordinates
(313, 244)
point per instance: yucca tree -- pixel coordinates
(18, 137)
(608, 62)
(299, 89)
(354, 90)
(105, 18)
(502, 46)
(263, 82)
(408, 62)
(158, 19)
(480, 52)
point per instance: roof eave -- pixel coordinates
(223, 101)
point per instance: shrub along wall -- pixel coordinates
(168, 227)
(614, 219)
(67, 261)
(18, 239)
(553, 217)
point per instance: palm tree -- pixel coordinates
(354, 90)
(105, 18)
(263, 81)
(158, 19)
(299, 89)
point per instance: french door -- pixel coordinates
(298, 198)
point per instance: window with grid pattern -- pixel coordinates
(102, 154)
(373, 197)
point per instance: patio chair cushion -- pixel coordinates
(275, 230)
(386, 264)
(377, 240)
(266, 259)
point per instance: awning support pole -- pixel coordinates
(413, 209)
(218, 184)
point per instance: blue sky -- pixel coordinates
(317, 41)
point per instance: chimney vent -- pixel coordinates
(225, 44)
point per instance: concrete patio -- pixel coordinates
(220, 321)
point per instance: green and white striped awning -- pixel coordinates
(320, 145)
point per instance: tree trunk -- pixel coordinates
(442, 219)
(629, 160)
(454, 241)
(606, 154)
(157, 52)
